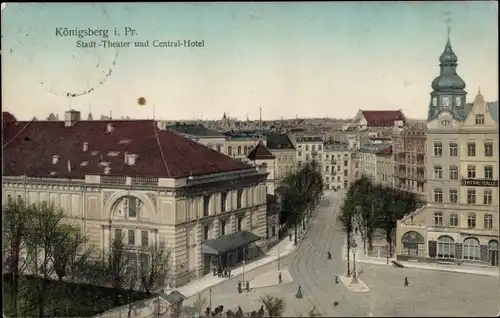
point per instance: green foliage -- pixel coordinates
(377, 207)
(302, 192)
(275, 306)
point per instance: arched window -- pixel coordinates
(245, 150)
(264, 164)
(218, 147)
(472, 251)
(445, 247)
(493, 252)
(229, 151)
(413, 244)
(239, 150)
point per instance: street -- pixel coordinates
(429, 293)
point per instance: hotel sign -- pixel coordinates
(479, 183)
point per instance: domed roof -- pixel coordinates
(448, 81)
(448, 55)
(479, 97)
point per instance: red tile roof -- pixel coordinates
(382, 118)
(260, 152)
(8, 117)
(29, 148)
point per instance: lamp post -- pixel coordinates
(244, 258)
(278, 257)
(354, 275)
(387, 253)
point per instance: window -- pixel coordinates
(471, 172)
(307, 156)
(345, 173)
(454, 219)
(132, 207)
(438, 149)
(239, 223)
(131, 237)
(488, 149)
(471, 149)
(471, 249)
(445, 247)
(346, 163)
(488, 172)
(206, 232)
(319, 147)
(145, 238)
(313, 147)
(206, 205)
(487, 197)
(307, 147)
(453, 149)
(346, 184)
(300, 153)
(338, 178)
(327, 179)
(222, 228)
(453, 195)
(453, 173)
(488, 221)
(471, 196)
(356, 165)
(144, 259)
(118, 234)
(479, 119)
(438, 218)
(239, 201)
(245, 150)
(338, 168)
(438, 195)
(223, 202)
(229, 151)
(273, 231)
(438, 172)
(445, 123)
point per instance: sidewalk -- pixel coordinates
(361, 258)
(284, 248)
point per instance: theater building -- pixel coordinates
(129, 178)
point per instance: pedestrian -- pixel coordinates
(406, 282)
(290, 236)
(356, 231)
(299, 292)
(248, 286)
(229, 272)
(336, 278)
(239, 286)
(329, 255)
(279, 278)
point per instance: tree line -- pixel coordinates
(301, 192)
(50, 269)
(369, 206)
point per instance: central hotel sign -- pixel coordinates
(479, 183)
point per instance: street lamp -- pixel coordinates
(354, 276)
(387, 253)
(244, 258)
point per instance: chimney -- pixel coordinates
(107, 170)
(131, 159)
(85, 146)
(69, 165)
(55, 159)
(126, 157)
(71, 117)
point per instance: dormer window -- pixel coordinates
(479, 119)
(110, 128)
(132, 159)
(445, 123)
(107, 170)
(85, 146)
(55, 159)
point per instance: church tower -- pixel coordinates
(448, 88)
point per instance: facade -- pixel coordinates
(336, 165)
(284, 152)
(209, 138)
(460, 221)
(240, 144)
(375, 162)
(355, 171)
(273, 220)
(130, 178)
(309, 148)
(261, 157)
(409, 153)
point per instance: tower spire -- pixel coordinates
(448, 28)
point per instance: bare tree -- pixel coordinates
(16, 222)
(275, 306)
(156, 269)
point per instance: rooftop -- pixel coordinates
(309, 139)
(279, 141)
(260, 152)
(194, 130)
(51, 149)
(382, 118)
(380, 149)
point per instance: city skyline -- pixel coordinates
(300, 59)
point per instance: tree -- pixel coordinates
(275, 306)
(313, 313)
(16, 222)
(345, 219)
(155, 274)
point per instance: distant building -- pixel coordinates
(460, 223)
(273, 220)
(375, 162)
(130, 178)
(239, 144)
(284, 152)
(207, 137)
(261, 156)
(308, 148)
(336, 165)
(409, 153)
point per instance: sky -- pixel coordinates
(302, 59)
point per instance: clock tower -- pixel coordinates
(448, 88)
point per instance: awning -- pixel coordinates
(228, 242)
